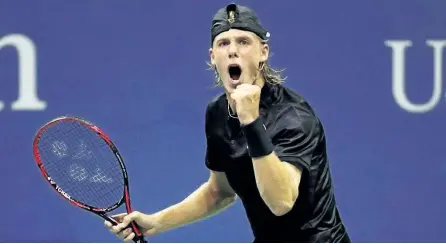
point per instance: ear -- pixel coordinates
(264, 53)
(211, 55)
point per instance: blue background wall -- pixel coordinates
(137, 69)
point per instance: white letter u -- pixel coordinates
(398, 75)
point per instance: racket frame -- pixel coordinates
(102, 212)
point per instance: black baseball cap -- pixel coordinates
(234, 16)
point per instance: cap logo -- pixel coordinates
(231, 18)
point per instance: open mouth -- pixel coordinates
(235, 71)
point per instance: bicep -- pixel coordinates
(295, 172)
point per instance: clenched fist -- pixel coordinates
(247, 100)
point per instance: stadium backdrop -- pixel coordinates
(373, 70)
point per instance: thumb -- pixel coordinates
(133, 216)
(119, 217)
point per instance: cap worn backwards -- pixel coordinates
(237, 17)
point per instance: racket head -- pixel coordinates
(71, 153)
(54, 140)
(82, 164)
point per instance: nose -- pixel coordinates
(232, 51)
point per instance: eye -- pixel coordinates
(244, 42)
(223, 43)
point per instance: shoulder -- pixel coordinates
(215, 109)
(215, 103)
(292, 119)
(292, 112)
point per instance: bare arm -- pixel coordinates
(292, 140)
(209, 199)
(278, 183)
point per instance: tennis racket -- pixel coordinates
(84, 167)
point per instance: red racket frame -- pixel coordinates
(139, 238)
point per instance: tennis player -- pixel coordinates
(265, 145)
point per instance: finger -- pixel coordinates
(119, 217)
(116, 229)
(244, 86)
(128, 219)
(108, 224)
(130, 237)
(123, 234)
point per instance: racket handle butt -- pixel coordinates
(139, 239)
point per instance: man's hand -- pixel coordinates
(147, 223)
(247, 100)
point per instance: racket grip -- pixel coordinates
(139, 237)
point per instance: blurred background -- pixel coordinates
(373, 71)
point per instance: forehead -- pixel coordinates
(235, 33)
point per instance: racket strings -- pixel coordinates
(79, 173)
(82, 164)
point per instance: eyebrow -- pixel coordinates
(236, 37)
